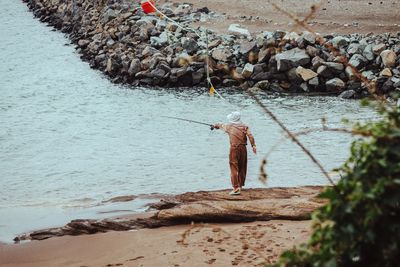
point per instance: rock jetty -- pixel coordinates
(131, 47)
(293, 204)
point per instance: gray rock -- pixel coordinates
(314, 81)
(293, 77)
(83, 43)
(222, 54)
(149, 51)
(350, 72)
(347, 94)
(324, 71)
(262, 76)
(198, 76)
(316, 62)
(235, 29)
(159, 41)
(377, 49)
(264, 55)
(158, 73)
(358, 61)
(312, 51)
(246, 47)
(304, 87)
(369, 75)
(110, 42)
(247, 70)
(183, 9)
(334, 66)
(164, 66)
(229, 82)
(263, 85)
(309, 37)
(190, 45)
(355, 48)
(389, 58)
(291, 59)
(109, 14)
(368, 53)
(340, 41)
(335, 84)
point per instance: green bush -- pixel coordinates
(360, 225)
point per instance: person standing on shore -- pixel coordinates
(238, 134)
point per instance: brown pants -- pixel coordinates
(238, 165)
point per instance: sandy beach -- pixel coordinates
(208, 245)
(350, 16)
(267, 221)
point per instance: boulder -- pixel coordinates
(291, 59)
(309, 37)
(264, 55)
(388, 58)
(334, 66)
(312, 51)
(263, 85)
(340, 41)
(350, 72)
(83, 43)
(159, 41)
(262, 76)
(305, 74)
(324, 71)
(149, 51)
(377, 49)
(386, 72)
(347, 94)
(316, 62)
(134, 67)
(246, 47)
(222, 54)
(235, 29)
(358, 61)
(335, 84)
(108, 15)
(190, 45)
(314, 81)
(355, 48)
(247, 70)
(368, 53)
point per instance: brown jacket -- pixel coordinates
(238, 134)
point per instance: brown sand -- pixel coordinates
(340, 16)
(231, 244)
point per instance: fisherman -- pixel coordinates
(238, 134)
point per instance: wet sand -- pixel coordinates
(244, 244)
(339, 16)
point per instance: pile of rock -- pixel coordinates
(131, 47)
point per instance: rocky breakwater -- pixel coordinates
(131, 47)
(214, 206)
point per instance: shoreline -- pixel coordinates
(201, 228)
(143, 50)
(241, 244)
(263, 204)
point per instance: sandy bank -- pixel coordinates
(266, 221)
(294, 204)
(245, 244)
(333, 16)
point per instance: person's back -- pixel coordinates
(238, 134)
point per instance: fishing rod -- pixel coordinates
(192, 121)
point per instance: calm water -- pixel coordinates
(69, 139)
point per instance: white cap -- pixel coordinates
(234, 117)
